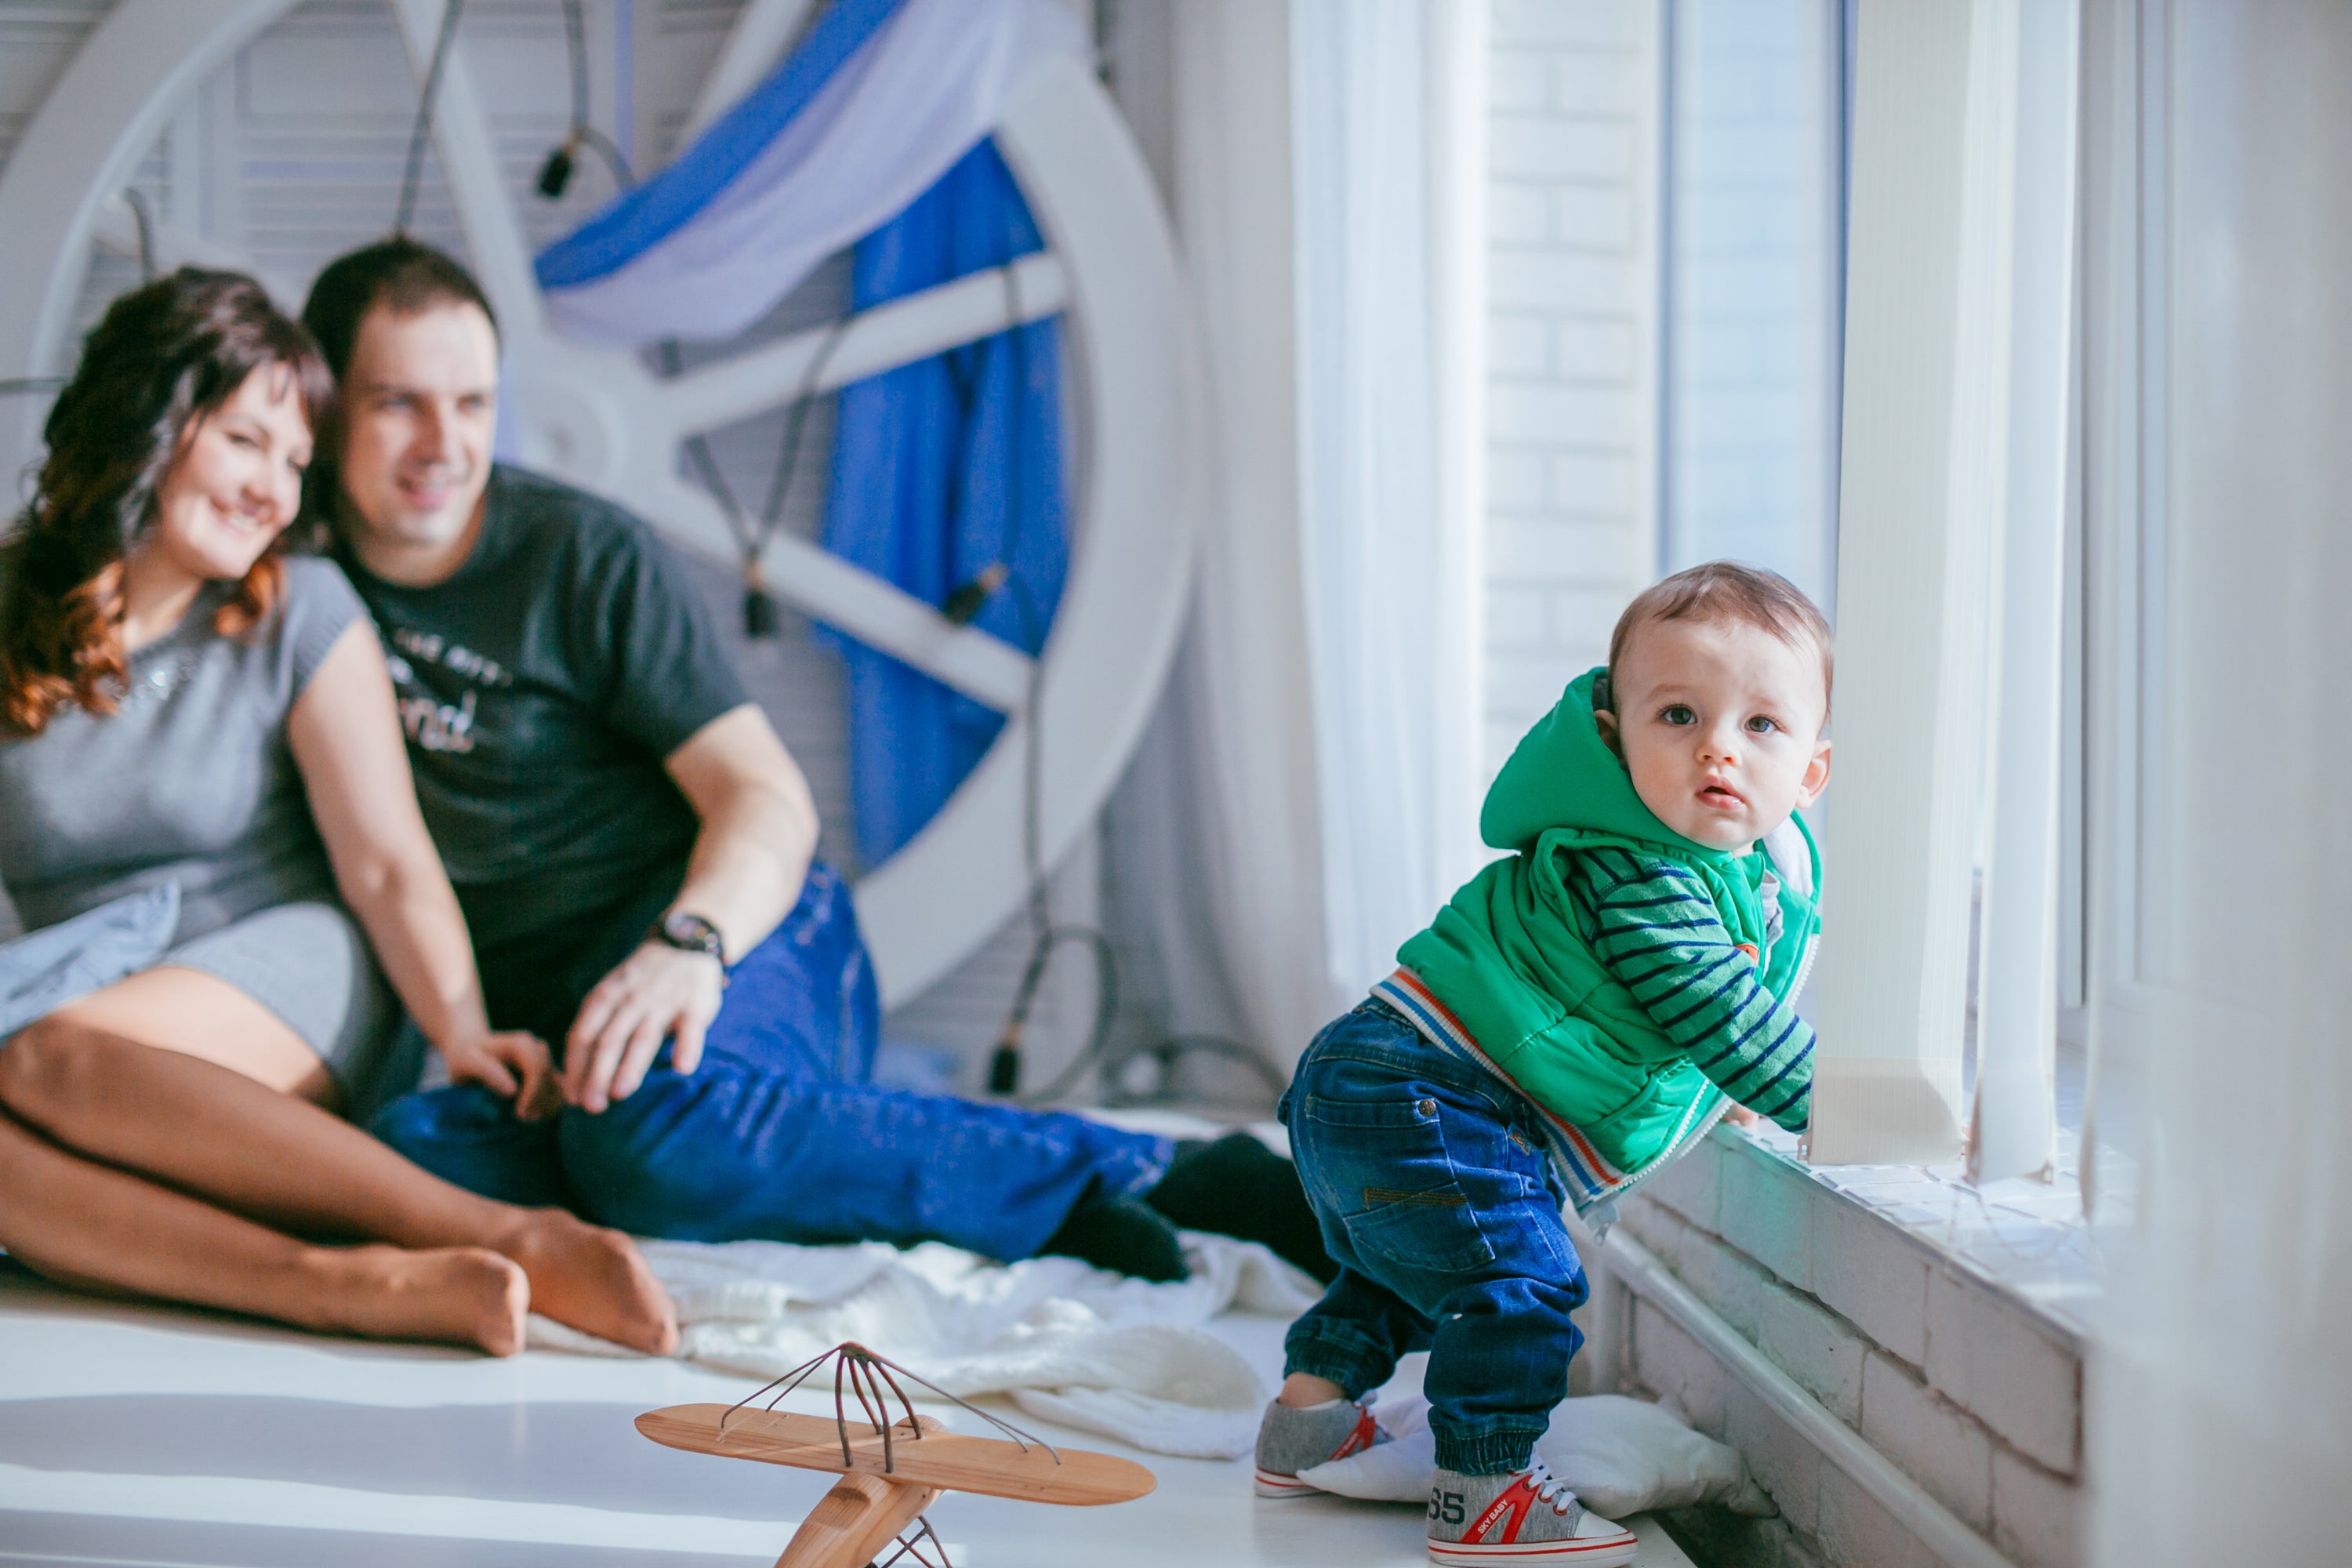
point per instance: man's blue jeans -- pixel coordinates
(1443, 1212)
(777, 1134)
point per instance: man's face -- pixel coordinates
(420, 404)
(1721, 728)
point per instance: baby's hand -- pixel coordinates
(1740, 1115)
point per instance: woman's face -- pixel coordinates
(238, 481)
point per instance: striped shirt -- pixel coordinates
(1651, 924)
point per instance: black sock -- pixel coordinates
(1239, 1188)
(1122, 1234)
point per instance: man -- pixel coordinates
(633, 848)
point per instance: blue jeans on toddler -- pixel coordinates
(1441, 1209)
(776, 1134)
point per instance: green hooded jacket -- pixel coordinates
(1506, 957)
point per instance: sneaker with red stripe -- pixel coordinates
(1528, 1517)
(1290, 1440)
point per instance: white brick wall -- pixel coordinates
(1766, 1207)
(1874, 1276)
(1677, 1371)
(1984, 1353)
(2037, 1516)
(1935, 1441)
(1853, 1527)
(1730, 1281)
(1574, 287)
(1812, 1345)
(1952, 1381)
(1782, 1462)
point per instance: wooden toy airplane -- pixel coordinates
(890, 1470)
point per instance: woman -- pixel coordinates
(182, 702)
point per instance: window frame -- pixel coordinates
(2124, 586)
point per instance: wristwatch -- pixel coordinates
(688, 933)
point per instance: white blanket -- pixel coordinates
(1067, 1341)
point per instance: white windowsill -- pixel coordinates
(2026, 1239)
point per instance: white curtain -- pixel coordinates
(1382, 93)
(1233, 761)
(1309, 795)
(2221, 1393)
(2014, 1118)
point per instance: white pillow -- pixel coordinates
(1619, 1456)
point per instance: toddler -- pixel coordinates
(1582, 1010)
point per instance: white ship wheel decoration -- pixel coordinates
(598, 418)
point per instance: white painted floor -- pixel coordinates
(138, 1437)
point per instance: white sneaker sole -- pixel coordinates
(1591, 1551)
(1273, 1484)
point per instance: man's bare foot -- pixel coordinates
(594, 1279)
(465, 1295)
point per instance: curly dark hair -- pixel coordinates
(162, 358)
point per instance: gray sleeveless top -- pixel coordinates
(190, 780)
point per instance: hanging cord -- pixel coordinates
(962, 606)
(425, 104)
(753, 536)
(556, 173)
(1045, 938)
(966, 600)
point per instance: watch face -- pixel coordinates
(691, 932)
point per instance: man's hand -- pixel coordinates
(657, 992)
(1740, 1115)
(509, 1062)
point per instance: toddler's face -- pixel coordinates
(1720, 726)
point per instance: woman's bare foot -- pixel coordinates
(466, 1295)
(594, 1279)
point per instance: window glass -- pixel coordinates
(1754, 240)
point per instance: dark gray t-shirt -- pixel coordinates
(191, 778)
(543, 685)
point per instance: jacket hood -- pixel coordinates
(1563, 775)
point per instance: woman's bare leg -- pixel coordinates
(99, 1229)
(198, 1015)
(209, 1130)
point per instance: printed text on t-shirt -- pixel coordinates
(439, 726)
(434, 648)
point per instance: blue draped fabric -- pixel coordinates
(641, 218)
(940, 469)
